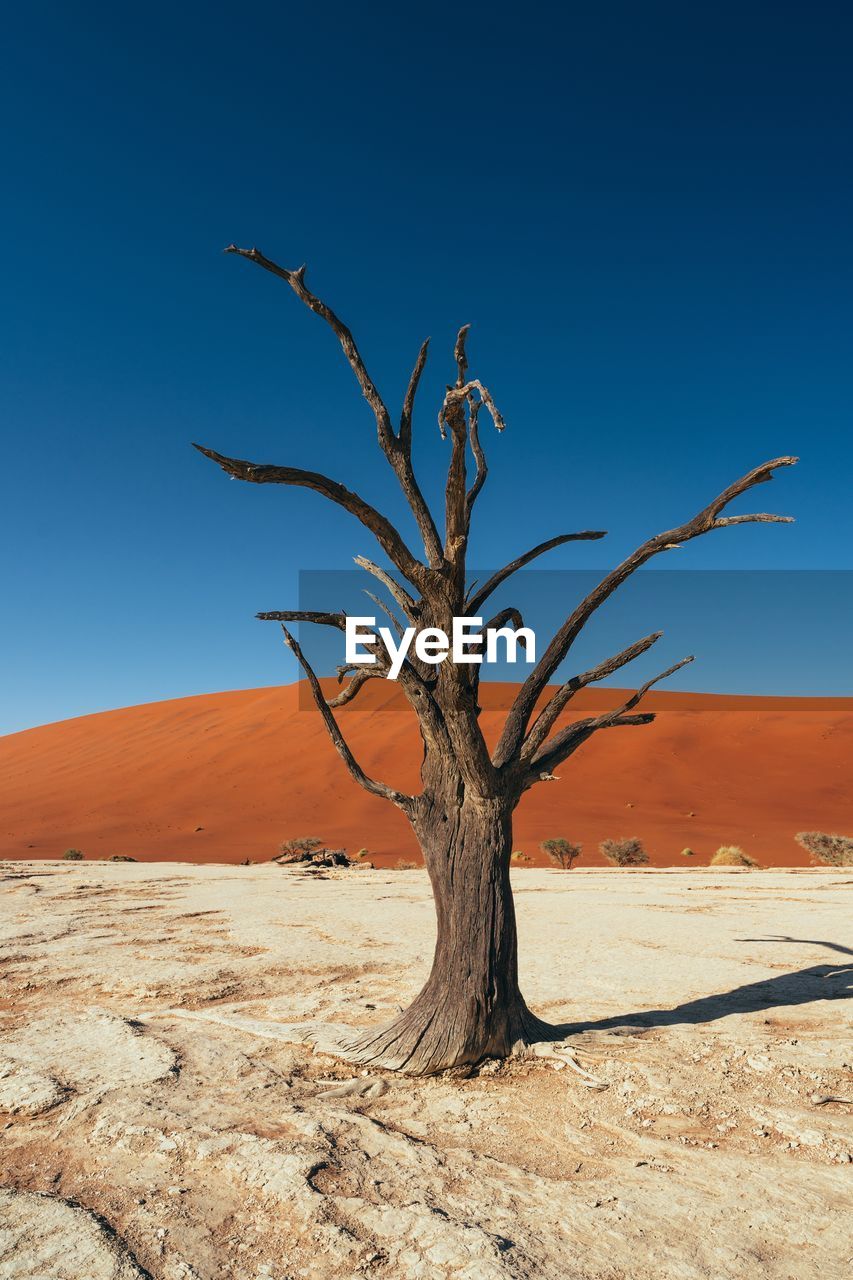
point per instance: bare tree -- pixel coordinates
(471, 1006)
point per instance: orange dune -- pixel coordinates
(227, 776)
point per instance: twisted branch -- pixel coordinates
(405, 433)
(474, 407)
(397, 450)
(380, 526)
(569, 739)
(452, 417)
(352, 688)
(705, 521)
(475, 604)
(548, 715)
(380, 604)
(338, 620)
(410, 607)
(402, 801)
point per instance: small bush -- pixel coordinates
(687, 853)
(122, 857)
(731, 855)
(310, 854)
(299, 848)
(403, 864)
(831, 850)
(361, 855)
(627, 852)
(561, 852)
(519, 856)
(73, 855)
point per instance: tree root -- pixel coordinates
(562, 1055)
(360, 1087)
(335, 1040)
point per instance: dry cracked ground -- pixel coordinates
(154, 1122)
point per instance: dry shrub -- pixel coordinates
(299, 849)
(731, 855)
(122, 857)
(687, 853)
(73, 855)
(626, 852)
(310, 854)
(404, 864)
(561, 852)
(832, 850)
(519, 856)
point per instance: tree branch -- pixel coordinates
(416, 685)
(296, 280)
(476, 602)
(569, 739)
(402, 801)
(405, 434)
(380, 604)
(397, 451)
(706, 520)
(494, 624)
(460, 355)
(553, 708)
(381, 528)
(509, 614)
(759, 517)
(455, 395)
(452, 415)
(474, 407)
(409, 606)
(352, 688)
(338, 620)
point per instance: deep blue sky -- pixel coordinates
(644, 210)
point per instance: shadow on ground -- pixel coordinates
(819, 982)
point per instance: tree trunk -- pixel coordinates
(471, 1007)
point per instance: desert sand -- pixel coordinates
(157, 1120)
(228, 776)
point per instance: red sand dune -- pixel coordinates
(227, 776)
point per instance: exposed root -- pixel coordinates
(389, 1048)
(360, 1087)
(324, 1037)
(562, 1056)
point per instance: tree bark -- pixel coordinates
(471, 1007)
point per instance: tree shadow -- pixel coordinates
(819, 982)
(808, 942)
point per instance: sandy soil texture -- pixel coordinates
(155, 1121)
(228, 776)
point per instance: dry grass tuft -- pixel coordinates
(731, 855)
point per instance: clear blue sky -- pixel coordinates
(644, 210)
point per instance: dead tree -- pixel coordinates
(471, 1006)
